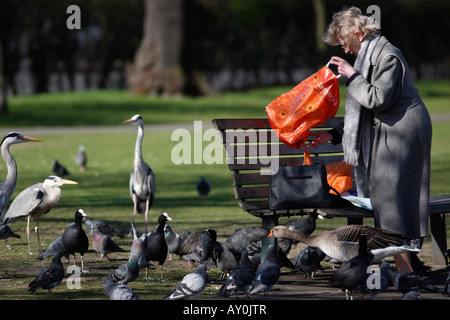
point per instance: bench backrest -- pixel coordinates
(251, 146)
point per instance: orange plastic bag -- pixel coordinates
(308, 105)
(339, 174)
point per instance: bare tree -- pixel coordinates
(320, 15)
(157, 64)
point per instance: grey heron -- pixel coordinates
(142, 178)
(9, 184)
(35, 201)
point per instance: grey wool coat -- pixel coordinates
(399, 168)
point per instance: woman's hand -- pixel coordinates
(344, 68)
(321, 138)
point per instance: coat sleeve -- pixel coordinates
(383, 90)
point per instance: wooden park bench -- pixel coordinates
(251, 147)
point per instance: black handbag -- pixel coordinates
(298, 187)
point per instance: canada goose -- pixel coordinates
(342, 243)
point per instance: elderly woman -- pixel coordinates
(386, 133)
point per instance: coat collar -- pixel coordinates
(379, 47)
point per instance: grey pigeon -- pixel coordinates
(126, 272)
(305, 226)
(247, 238)
(353, 273)
(308, 261)
(268, 273)
(54, 248)
(173, 240)
(58, 169)
(138, 246)
(104, 227)
(74, 238)
(240, 279)
(198, 246)
(50, 276)
(191, 286)
(224, 259)
(117, 291)
(6, 232)
(81, 158)
(407, 281)
(412, 295)
(203, 187)
(103, 243)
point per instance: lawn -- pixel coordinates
(102, 189)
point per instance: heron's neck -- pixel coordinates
(11, 167)
(138, 148)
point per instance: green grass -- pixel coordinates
(103, 188)
(112, 107)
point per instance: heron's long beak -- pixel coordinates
(31, 139)
(66, 181)
(128, 121)
(270, 235)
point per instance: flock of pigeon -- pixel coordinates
(356, 247)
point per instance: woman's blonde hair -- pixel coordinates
(345, 23)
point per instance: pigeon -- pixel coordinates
(6, 232)
(117, 291)
(104, 227)
(247, 238)
(81, 158)
(203, 187)
(198, 246)
(138, 246)
(353, 272)
(240, 279)
(412, 295)
(54, 248)
(305, 226)
(405, 281)
(191, 286)
(126, 272)
(224, 259)
(74, 238)
(308, 261)
(103, 243)
(156, 248)
(58, 169)
(50, 276)
(173, 240)
(267, 273)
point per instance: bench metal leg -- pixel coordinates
(268, 222)
(438, 239)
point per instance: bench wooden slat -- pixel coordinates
(262, 123)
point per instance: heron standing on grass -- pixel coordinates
(142, 178)
(35, 201)
(8, 186)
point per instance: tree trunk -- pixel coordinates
(320, 15)
(157, 64)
